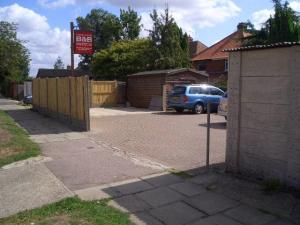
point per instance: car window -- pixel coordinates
(179, 90)
(215, 91)
(195, 90)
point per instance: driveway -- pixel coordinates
(174, 140)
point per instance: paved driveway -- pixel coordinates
(174, 140)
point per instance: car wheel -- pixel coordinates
(198, 108)
(179, 110)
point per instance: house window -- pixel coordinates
(202, 66)
(226, 65)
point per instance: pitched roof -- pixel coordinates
(258, 47)
(168, 72)
(43, 73)
(195, 47)
(216, 50)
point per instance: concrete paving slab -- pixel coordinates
(249, 215)
(132, 186)
(282, 222)
(187, 188)
(160, 196)
(94, 193)
(82, 163)
(177, 213)
(28, 187)
(162, 179)
(211, 203)
(216, 220)
(205, 179)
(129, 204)
(144, 218)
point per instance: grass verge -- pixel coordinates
(70, 211)
(15, 144)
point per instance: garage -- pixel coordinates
(149, 89)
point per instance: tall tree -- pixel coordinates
(123, 58)
(130, 22)
(14, 56)
(284, 26)
(58, 63)
(170, 42)
(106, 28)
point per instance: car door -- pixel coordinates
(215, 96)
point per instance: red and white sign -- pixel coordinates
(83, 42)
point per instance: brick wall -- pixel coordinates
(263, 120)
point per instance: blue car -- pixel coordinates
(194, 97)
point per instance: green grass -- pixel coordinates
(19, 142)
(70, 211)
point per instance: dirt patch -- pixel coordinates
(5, 152)
(4, 136)
(60, 220)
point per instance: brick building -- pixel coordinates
(214, 61)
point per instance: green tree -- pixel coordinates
(58, 63)
(171, 44)
(106, 28)
(14, 57)
(284, 26)
(130, 22)
(123, 58)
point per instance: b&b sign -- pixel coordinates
(83, 42)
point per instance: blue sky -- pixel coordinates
(45, 23)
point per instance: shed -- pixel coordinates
(146, 89)
(263, 123)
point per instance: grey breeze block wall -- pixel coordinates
(263, 137)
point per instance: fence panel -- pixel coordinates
(65, 99)
(63, 96)
(104, 93)
(35, 92)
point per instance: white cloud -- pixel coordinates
(189, 14)
(261, 16)
(295, 5)
(44, 43)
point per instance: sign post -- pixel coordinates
(208, 136)
(72, 48)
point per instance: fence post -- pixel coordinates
(86, 102)
(70, 99)
(57, 113)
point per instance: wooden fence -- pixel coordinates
(107, 93)
(65, 99)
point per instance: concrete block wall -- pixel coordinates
(263, 138)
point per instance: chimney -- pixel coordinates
(242, 26)
(68, 67)
(190, 39)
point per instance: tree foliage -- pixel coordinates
(59, 63)
(123, 58)
(14, 57)
(284, 26)
(106, 28)
(171, 44)
(130, 23)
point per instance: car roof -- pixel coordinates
(196, 85)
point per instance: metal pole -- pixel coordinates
(208, 136)
(72, 48)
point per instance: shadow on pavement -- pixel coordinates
(218, 125)
(36, 123)
(198, 197)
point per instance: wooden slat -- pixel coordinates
(104, 93)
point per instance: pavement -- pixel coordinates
(119, 159)
(211, 198)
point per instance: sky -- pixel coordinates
(44, 24)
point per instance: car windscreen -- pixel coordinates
(178, 90)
